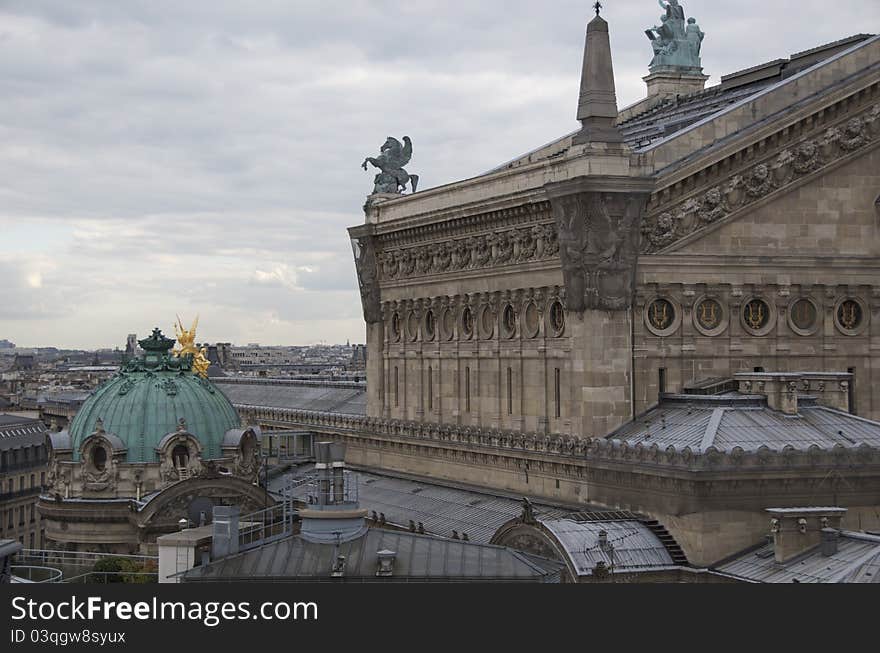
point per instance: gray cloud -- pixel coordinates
(159, 156)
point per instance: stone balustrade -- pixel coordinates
(563, 447)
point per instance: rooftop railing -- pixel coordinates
(35, 574)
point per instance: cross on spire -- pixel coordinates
(597, 7)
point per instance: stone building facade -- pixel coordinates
(517, 320)
(23, 467)
(563, 292)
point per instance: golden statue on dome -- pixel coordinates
(187, 340)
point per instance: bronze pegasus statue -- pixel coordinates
(393, 156)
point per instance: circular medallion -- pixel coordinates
(467, 323)
(662, 317)
(412, 326)
(447, 324)
(487, 322)
(557, 319)
(430, 326)
(851, 316)
(758, 317)
(710, 317)
(803, 316)
(532, 321)
(395, 327)
(508, 321)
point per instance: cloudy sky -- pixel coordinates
(162, 157)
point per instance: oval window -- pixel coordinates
(99, 458)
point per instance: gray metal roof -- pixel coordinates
(18, 432)
(418, 557)
(857, 561)
(440, 509)
(345, 398)
(63, 397)
(632, 545)
(747, 422)
(677, 113)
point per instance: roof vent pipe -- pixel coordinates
(830, 540)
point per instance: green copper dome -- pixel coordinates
(148, 398)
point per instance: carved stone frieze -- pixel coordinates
(598, 240)
(763, 177)
(499, 247)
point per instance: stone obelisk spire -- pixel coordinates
(597, 106)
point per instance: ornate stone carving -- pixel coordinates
(775, 172)
(661, 232)
(806, 157)
(758, 181)
(247, 461)
(599, 241)
(368, 277)
(518, 245)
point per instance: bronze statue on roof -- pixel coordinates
(393, 156)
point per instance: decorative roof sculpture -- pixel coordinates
(677, 43)
(187, 339)
(393, 156)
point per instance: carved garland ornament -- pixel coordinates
(520, 245)
(695, 213)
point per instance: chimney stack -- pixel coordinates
(798, 530)
(337, 463)
(333, 513)
(830, 539)
(603, 540)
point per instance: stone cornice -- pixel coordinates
(465, 225)
(832, 261)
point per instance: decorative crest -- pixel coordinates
(156, 343)
(597, 7)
